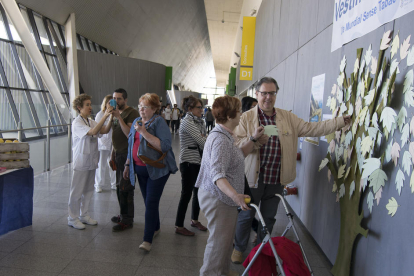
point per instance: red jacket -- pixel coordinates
(288, 251)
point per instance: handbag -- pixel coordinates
(148, 161)
(112, 165)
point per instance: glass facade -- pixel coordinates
(23, 95)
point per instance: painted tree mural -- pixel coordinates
(356, 154)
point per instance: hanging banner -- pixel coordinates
(355, 18)
(247, 49)
(316, 104)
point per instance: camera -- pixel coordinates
(113, 103)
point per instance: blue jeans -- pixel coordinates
(151, 192)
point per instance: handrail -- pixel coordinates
(32, 128)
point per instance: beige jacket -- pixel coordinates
(290, 128)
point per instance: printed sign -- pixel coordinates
(247, 49)
(316, 103)
(355, 18)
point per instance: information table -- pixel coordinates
(16, 199)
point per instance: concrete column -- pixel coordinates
(72, 59)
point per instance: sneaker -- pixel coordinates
(113, 187)
(98, 190)
(88, 220)
(76, 224)
(237, 257)
(121, 227)
(116, 219)
(157, 232)
(184, 231)
(199, 226)
(146, 246)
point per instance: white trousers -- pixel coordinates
(81, 191)
(103, 165)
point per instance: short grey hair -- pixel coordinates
(266, 80)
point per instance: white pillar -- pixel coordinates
(29, 43)
(72, 59)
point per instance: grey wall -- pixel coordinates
(292, 45)
(101, 74)
(180, 95)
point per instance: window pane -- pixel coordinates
(63, 68)
(9, 65)
(28, 68)
(6, 116)
(42, 33)
(13, 31)
(85, 47)
(26, 116)
(26, 19)
(55, 26)
(98, 48)
(54, 114)
(53, 71)
(91, 46)
(3, 32)
(40, 107)
(78, 43)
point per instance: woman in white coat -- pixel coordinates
(85, 134)
(105, 148)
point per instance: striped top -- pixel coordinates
(191, 131)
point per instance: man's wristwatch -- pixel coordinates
(126, 165)
(253, 139)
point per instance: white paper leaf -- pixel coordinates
(388, 117)
(367, 120)
(412, 126)
(379, 137)
(342, 109)
(410, 57)
(368, 54)
(392, 206)
(333, 104)
(350, 110)
(341, 190)
(341, 171)
(369, 166)
(372, 131)
(328, 102)
(394, 66)
(402, 115)
(334, 89)
(340, 96)
(358, 106)
(348, 93)
(404, 135)
(323, 164)
(378, 195)
(338, 136)
(395, 45)
(379, 79)
(363, 184)
(374, 66)
(408, 80)
(356, 66)
(362, 115)
(409, 98)
(404, 48)
(361, 68)
(384, 92)
(343, 63)
(399, 181)
(368, 98)
(385, 40)
(388, 151)
(395, 153)
(351, 189)
(340, 80)
(348, 139)
(358, 145)
(377, 179)
(411, 150)
(370, 201)
(407, 162)
(375, 120)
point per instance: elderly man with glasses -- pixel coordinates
(272, 163)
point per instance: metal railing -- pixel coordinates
(20, 130)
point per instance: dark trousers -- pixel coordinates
(168, 122)
(209, 125)
(189, 173)
(124, 191)
(151, 191)
(174, 125)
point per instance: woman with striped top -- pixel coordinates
(192, 139)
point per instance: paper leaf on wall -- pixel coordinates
(374, 66)
(363, 184)
(375, 120)
(408, 80)
(334, 187)
(358, 106)
(332, 146)
(384, 93)
(341, 171)
(323, 164)
(412, 126)
(370, 201)
(399, 181)
(378, 195)
(356, 66)
(404, 135)
(348, 93)
(388, 117)
(338, 135)
(333, 104)
(368, 54)
(342, 109)
(334, 89)
(328, 101)
(379, 79)
(351, 189)
(343, 63)
(407, 162)
(329, 137)
(388, 151)
(385, 40)
(410, 57)
(350, 110)
(409, 98)
(340, 96)
(392, 206)
(394, 66)
(404, 47)
(367, 120)
(339, 151)
(362, 115)
(395, 45)
(348, 139)
(329, 175)
(372, 132)
(355, 126)
(341, 190)
(395, 153)
(358, 145)
(377, 179)
(379, 138)
(369, 166)
(340, 80)
(412, 182)
(360, 89)
(402, 115)
(411, 150)
(368, 98)
(361, 68)
(347, 172)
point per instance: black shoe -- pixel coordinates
(116, 219)
(121, 227)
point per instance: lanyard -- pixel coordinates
(88, 124)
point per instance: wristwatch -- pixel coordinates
(252, 139)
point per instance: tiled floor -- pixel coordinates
(50, 247)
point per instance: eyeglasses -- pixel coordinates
(143, 106)
(199, 107)
(271, 94)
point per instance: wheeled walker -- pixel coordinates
(267, 239)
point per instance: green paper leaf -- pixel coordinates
(351, 189)
(392, 206)
(330, 137)
(377, 179)
(341, 171)
(388, 117)
(402, 115)
(395, 45)
(366, 145)
(341, 190)
(347, 172)
(369, 166)
(405, 135)
(334, 187)
(323, 164)
(370, 201)
(407, 162)
(399, 181)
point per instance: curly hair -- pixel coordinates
(152, 99)
(105, 101)
(225, 107)
(190, 102)
(78, 101)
